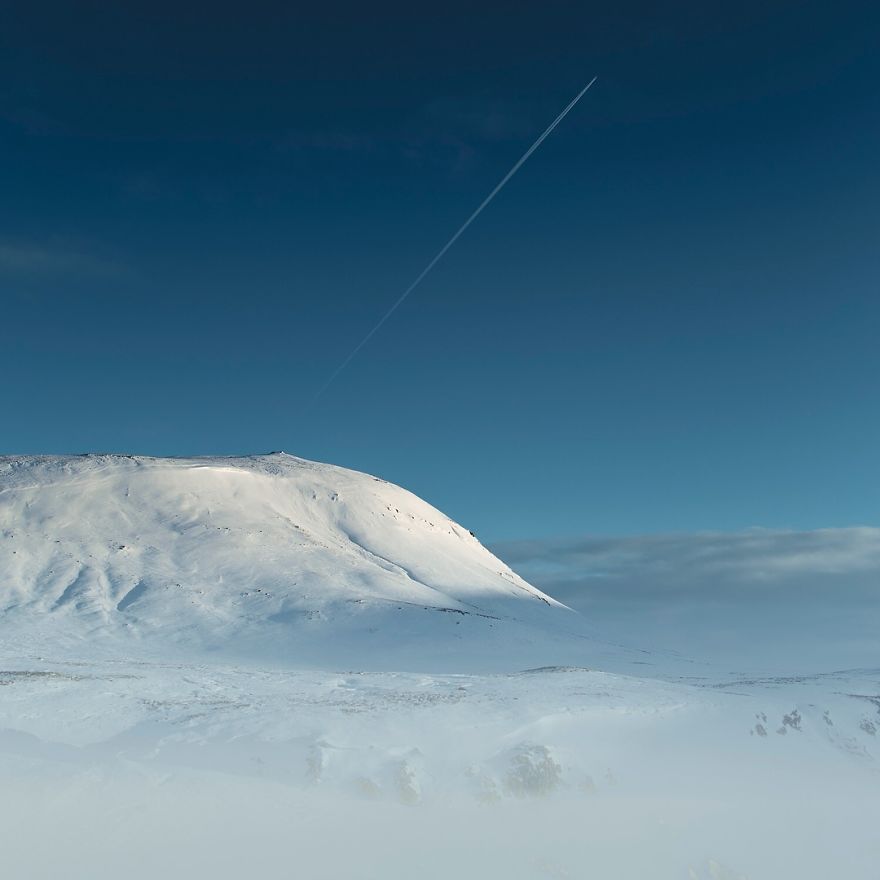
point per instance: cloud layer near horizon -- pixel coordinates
(753, 558)
(781, 597)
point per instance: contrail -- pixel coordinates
(455, 237)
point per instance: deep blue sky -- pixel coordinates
(668, 320)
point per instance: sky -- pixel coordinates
(666, 322)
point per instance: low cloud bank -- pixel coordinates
(758, 557)
(765, 596)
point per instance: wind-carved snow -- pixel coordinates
(270, 667)
(269, 557)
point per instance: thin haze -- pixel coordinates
(455, 237)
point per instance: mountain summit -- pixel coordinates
(263, 557)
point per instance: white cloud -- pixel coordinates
(757, 557)
(764, 598)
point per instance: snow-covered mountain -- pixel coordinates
(272, 557)
(237, 667)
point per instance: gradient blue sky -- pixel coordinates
(667, 321)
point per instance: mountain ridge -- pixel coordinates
(270, 555)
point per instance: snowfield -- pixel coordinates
(270, 667)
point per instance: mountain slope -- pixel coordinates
(267, 556)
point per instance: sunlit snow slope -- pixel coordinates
(267, 556)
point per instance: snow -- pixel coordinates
(271, 557)
(270, 667)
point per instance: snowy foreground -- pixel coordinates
(268, 667)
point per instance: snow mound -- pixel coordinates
(268, 557)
